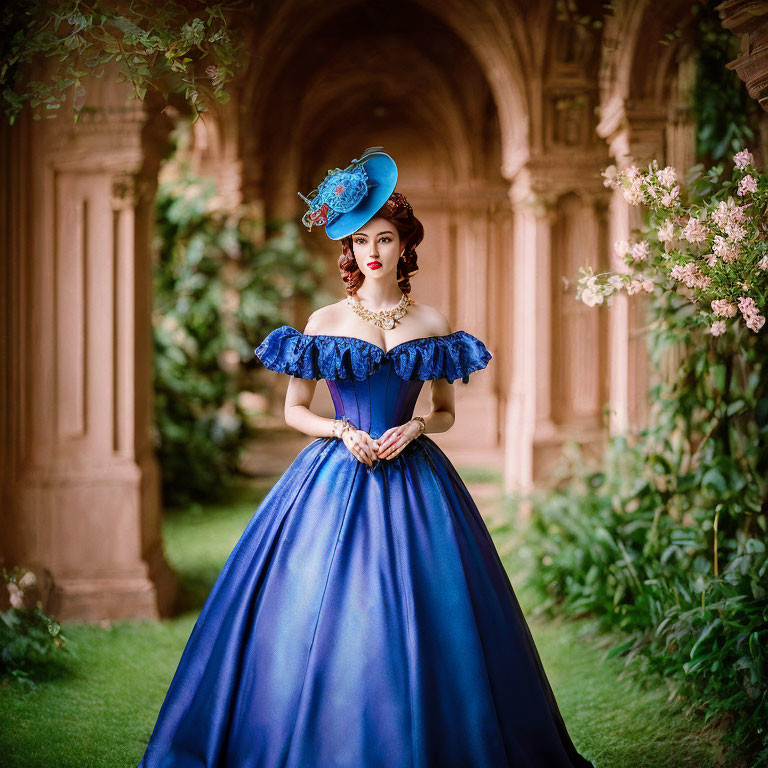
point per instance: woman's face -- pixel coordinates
(376, 246)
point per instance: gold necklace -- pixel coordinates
(385, 319)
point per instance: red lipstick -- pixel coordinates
(373, 264)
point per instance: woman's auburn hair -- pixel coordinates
(397, 210)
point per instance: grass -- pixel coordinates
(100, 714)
(101, 711)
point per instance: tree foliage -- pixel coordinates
(219, 288)
(172, 47)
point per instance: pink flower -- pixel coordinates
(743, 159)
(28, 580)
(721, 214)
(648, 285)
(727, 213)
(621, 248)
(640, 251)
(747, 306)
(667, 176)
(691, 275)
(635, 286)
(668, 200)
(723, 308)
(763, 263)
(610, 176)
(747, 184)
(726, 250)
(678, 271)
(735, 231)
(717, 328)
(667, 231)
(616, 282)
(15, 595)
(695, 231)
(631, 172)
(751, 313)
(633, 194)
(590, 297)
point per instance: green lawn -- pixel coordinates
(102, 711)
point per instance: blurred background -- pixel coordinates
(151, 239)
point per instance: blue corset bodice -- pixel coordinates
(374, 389)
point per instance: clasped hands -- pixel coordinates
(367, 449)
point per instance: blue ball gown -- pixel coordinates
(364, 618)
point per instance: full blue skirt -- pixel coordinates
(363, 619)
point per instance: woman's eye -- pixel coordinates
(385, 239)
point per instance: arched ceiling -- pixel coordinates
(358, 77)
(434, 69)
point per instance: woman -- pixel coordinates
(364, 617)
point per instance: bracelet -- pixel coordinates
(421, 421)
(340, 426)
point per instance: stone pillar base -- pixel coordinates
(104, 597)
(548, 444)
(85, 525)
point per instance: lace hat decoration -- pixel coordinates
(348, 198)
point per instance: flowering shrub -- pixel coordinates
(28, 638)
(706, 240)
(664, 539)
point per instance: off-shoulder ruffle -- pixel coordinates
(450, 357)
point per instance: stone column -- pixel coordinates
(83, 487)
(636, 138)
(476, 431)
(557, 387)
(527, 397)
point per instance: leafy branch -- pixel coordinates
(164, 46)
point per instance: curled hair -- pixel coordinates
(399, 212)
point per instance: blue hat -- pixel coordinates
(347, 198)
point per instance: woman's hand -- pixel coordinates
(361, 445)
(396, 438)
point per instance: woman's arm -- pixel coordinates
(298, 398)
(443, 413)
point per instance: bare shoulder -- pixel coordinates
(434, 322)
(325, 319)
